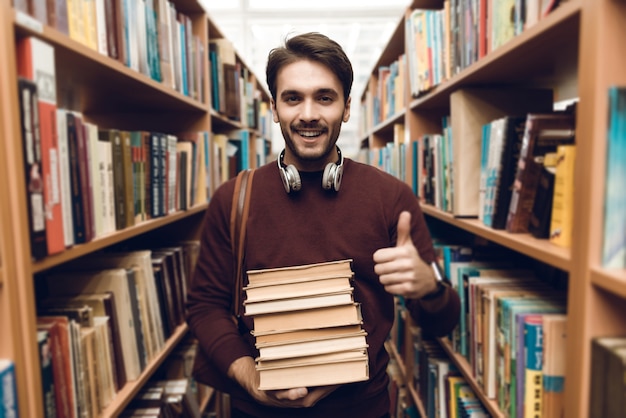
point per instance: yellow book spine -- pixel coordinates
(563, 202)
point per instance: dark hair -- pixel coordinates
(315, 47)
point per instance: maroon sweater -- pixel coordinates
(310, 226)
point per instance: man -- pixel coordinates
(303, 210)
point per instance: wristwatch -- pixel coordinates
(441, 286)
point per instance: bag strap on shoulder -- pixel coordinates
(238, 218)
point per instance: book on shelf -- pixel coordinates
(470, 109)
(614, 238)
(8, 392)
(608, 366)
(508, 308)
(144, 286)
(533, 356)
(118, 281)
(47, 375)
(58, 331)
(35, 61)
(554, 364)
(29, 122)
(542, 134)
(562, 216)
(541, 212)
(101, 305)
(506, 163)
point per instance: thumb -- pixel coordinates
(404, 229)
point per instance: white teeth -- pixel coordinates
(309, 134)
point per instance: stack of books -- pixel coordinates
(307, 326)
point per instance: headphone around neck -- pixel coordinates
(331, 178)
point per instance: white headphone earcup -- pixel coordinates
(293, 178)
(328, 178)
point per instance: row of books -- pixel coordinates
(8, 391)
(104, 318)
(234, 91)
(614, 226)
(495, 159)
(525, 168)
(527, 175)
(512, 331)
(307, 327)
(84, 181)
(384, 96)
(149, 36)
(441, 43)
(445, 393)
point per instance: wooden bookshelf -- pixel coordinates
(109, 94)
(576, 51)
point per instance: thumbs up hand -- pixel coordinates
(401, 270)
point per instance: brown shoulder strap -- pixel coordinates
(238, 218)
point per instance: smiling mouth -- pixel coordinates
(310, 134)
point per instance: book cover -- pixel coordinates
(514, 134)
(540, 214)
(58, 332)
(542, 134)
(47, 375)
(308, 319)
(614, 237)
(8, 391)
(65, 185)
(35, 59)
(562, 217)
(29, 121)
(554, 364)
(299, 303)
(533, 354)
(309, 347)
(315, 374)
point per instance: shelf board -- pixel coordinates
(130, 389)
(539, 249)
(529, 55)
(96, 83)
(113, 238)
(465, 369)
(613, 281)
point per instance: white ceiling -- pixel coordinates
(362, 27)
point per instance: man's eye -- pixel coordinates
(292, 99)
(326, 99)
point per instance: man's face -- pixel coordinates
(310, 109)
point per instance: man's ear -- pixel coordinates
(274, 112)
(346, 110)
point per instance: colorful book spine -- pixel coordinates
(533, 386)
(614, 242)
(561, 221)
(8, 392)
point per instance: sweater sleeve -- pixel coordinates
(210, 294)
